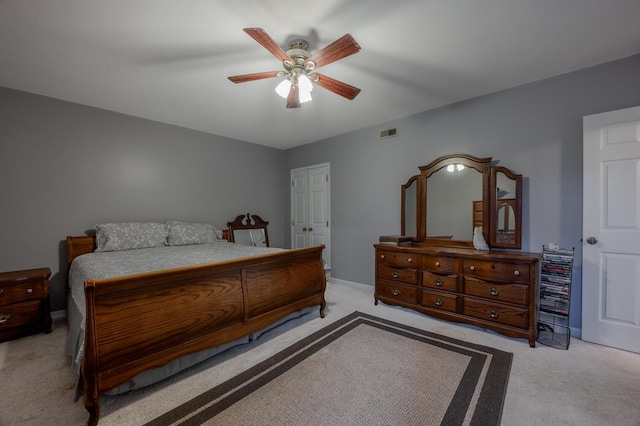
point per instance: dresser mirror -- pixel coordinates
(409, 215)
(456, 193)
(505, 228)
(249, 230)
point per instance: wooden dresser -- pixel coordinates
(24, 303)
(496, 290)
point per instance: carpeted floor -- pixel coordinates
(360, 371)
(587, 385)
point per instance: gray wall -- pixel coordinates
(535, 130)
(65, 167)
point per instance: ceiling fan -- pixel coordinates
(300, 65)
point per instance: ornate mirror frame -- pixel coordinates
(505, 229)
(485, 213)
(249, 228)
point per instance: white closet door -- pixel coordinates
(310, 210)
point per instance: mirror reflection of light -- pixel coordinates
(454, 167)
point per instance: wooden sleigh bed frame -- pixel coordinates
(138, 322)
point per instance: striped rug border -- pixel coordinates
(480, 393)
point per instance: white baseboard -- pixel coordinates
(349, 283)
(56, 315)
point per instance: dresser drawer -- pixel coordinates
(400, 292)
(440, 282)
(511, 293)
(20, 293)
(392, 258)
(20, 314)
(496, 312)
(439, 264)
(439, 300)
(405, 275)
(496, 271)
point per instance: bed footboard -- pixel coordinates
(139, 322)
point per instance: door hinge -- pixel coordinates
(327, 224)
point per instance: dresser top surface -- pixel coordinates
(462, 252)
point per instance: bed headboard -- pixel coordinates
(79, 245)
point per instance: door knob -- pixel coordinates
(304, 229)
(310, 229)
(592, 240)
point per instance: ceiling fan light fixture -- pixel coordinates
(304, 87)
(283, 88)
(300, 66)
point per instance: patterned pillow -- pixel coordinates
(183, 233)
(128, 236)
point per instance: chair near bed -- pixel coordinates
(143, 321)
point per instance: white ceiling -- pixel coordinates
(168, 60)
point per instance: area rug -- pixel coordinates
(360, 370)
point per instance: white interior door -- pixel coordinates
(611, 229)
(310, 211)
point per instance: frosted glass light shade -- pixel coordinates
(283, 88)
(304, 88)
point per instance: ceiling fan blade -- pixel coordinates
(341, 48)
(255, 76)
(338, 87)
(260, 35)
(293, 100)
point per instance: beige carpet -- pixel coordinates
(587, 385)
(360, 370)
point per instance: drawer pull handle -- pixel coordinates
(395, 275)
(439, 282)
(473, 268)
(493, 313)
(517, 273)
(4, 318)
(395, 292)
(409, 260)
(437, 264)
(29, 290)
(494, 291)
(437, 302)
(382, 256)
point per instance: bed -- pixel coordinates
(154, 306)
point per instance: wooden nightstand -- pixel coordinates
(24, 303)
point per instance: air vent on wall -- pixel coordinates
(389, 133)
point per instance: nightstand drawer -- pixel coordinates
(405, 275)
(20, 293)
(20, 314)
(496, 271)
(440, 282)
(24, 303)
(391, 258)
